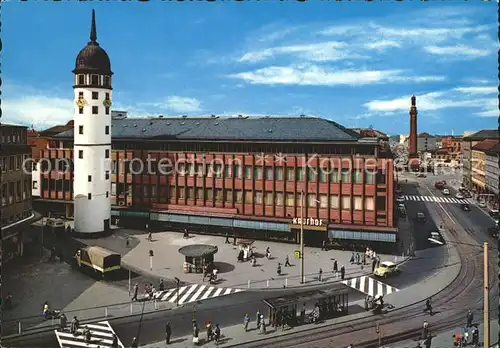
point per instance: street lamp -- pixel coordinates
(302, 275)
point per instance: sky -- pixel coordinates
(355, 63)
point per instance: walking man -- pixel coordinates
(227, 238)
(374, 265)
(335, 268)
(136, 292)
(320, 275)
(323, 246)
(161, 287)
(470, 318)
(257, 319)
(287, 262)
(246, 320)
(428, 306)
(342, 272)
(168, 332)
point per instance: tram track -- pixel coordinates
(405, 322)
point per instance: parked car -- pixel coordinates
(482, 204)
(446, 192)
(494, 213)
(435, 238)
(421, 217)
(459, 196)
(386, 269)
(465, 207)
(439, 184)
(422, 175)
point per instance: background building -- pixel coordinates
(16, 190)
(241, 175)
(468, 142)
(492, 171)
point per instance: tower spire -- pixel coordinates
(93, 30)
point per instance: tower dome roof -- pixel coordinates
(93, 58)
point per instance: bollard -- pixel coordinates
(248, 284)
(19, 328)
(286, 282)
(105, 312)
(267, 283)
(131, 308)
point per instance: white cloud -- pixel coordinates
(462, 97)
(182, 104)
(38, 110)
(324, 51)
(477, 89)
(459, 50)
(319, 76)
(382, 44)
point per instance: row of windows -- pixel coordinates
(13, 192)
(80, 130)
(106, 153)
(95, 110)
(288, 199)
(94, 79)
(106, 176)
(13, 162)
(13, 218)
(15, 136)
(89, 195)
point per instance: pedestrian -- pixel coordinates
(352, 259)
(262, 324)
(136, 292)
(246, 320)
(425, 330)
(227, 238)
(470, 318)
(320, 275)
(114, 343)
(279, 269)
(150, 236)
(342, 272)
(127, 242)
(168, 332)
(257, 319)
(287, 261)
(75, 324)
(134, 344)
(217, 334)
(374, 265)
(209, 330)
(335, 268)
(358, 259)
(323, 247)
(364, 259)
(195, 334)
(268, 253)
(428, 341)
(63, 321)
(234, 240)
(428, 306)
(161, 286)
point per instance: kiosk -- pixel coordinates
(198, 257)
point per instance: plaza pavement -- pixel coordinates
(168, 262)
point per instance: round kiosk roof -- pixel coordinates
(198, 250)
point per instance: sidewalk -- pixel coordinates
(168, 262)
(444, 339)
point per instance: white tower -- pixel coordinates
(92, 138)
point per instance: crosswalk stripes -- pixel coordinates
(369, 286)
(438, 199)
(192, 293)
(101, 337)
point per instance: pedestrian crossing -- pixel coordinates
(438, 199)
(101, 337)
(370, 286)
(192, 293)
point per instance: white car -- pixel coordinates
(435, 238)
(459, 196)
(446, 192)
(400, 199)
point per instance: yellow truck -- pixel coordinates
(99, 259)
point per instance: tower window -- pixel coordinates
(107, 110)
(80, 111)
(94, 79)
(95, 95)
(106, 130)
(80, 95)
(80, 129)
(106, 153)
(95, 110)
(81, 79)
(90, 178)
(107, 81)
(107, 96)
(80, 153)
(90, 195)
(107, 174)
(107, 194)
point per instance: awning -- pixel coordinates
(387, 237)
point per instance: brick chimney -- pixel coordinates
(413, 127)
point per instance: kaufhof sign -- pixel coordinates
(308, 222)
